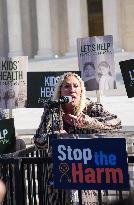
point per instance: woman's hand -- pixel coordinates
(63, 132)
(78, 121)
(60, 132)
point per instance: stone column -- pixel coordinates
(14, 28)
(74, 25)
(111, 17)
(44, 29)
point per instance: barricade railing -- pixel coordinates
(26, 176)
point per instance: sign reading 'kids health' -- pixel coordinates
(40, 87)
(91, 164)
(13, 82)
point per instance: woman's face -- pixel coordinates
(71, 87)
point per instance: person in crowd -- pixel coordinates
(80, 116)
(106, 80)
(2, 191)
(89, 77)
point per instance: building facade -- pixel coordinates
(48, 29)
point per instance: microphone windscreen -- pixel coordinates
(69, 99)
(66, 99)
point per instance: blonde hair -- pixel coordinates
(57, 90)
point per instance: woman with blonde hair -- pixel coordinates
(80, 116)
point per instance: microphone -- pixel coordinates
(65, 99)
(56, 103)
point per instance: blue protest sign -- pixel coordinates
(92, 164)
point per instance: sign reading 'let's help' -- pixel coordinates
(90, 164)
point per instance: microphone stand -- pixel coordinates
(50, 138)
(52, 112)
(53, 106)
(52, 135)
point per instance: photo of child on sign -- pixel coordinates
(106, 80)
(89, 75)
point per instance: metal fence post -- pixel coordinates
(18, 182)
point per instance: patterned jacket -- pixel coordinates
(98, 120)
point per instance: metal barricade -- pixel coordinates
(26, 176)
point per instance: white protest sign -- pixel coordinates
(13, 82)
(96, 62)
